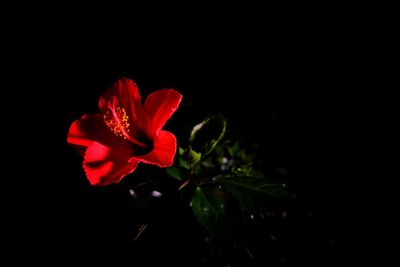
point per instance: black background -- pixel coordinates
(298, 89)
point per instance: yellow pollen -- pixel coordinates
(117, 121)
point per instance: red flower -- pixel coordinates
(125, 133)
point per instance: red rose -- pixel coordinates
(125, 133)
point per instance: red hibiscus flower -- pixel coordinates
(125, 133)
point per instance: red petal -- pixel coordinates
(159, 107)
(163, 151)
(104, 165)
(90, 128)
(124, 93)
(85, 130)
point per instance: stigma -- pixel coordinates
(117, 121)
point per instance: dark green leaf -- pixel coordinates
(194, 156)
(206, 135)
(234, 149)
(252, 192)
(243, 170)
(174, 172)
(210, 209)
(183, 163)
(188, 157)
(181, 151)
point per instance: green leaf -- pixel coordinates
(234, 149)
(188, 157)
(174, 172)
(206, 135)
(252, 192)
(183, 163)
(210, 209)
(181, 151)
(194, 156)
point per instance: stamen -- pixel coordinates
(118, 122)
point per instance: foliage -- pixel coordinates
(224, 181)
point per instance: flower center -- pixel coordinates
(117, 121)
